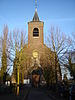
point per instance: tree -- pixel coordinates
(4, 53)
(48, 68)
(48, 74)
(71, 64)
(11, 48)
(19, 40)
(59, 44)
(71, 67)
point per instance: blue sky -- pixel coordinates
(57, 13)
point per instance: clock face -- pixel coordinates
(35, 54)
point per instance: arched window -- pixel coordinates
(35, 32)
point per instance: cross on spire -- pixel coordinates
(35, 4)
(35, 18)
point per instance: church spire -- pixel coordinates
(35, 18)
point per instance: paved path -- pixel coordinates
(37, 94)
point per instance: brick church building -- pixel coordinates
(35, 54)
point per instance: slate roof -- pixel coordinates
(36, 18)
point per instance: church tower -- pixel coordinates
(35, 31)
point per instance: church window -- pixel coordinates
(35, 32)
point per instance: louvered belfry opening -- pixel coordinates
(35, 32)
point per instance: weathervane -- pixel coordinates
(35, 4)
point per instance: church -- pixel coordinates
(35, 54)
(35, 50)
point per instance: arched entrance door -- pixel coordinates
(36, 75)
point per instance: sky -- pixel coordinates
(57, 13)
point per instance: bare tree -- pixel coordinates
(59, 44)
(70, 56)
(19, 43)
(11, 45)
(71, 67)
(47, 66)
(4, 53)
